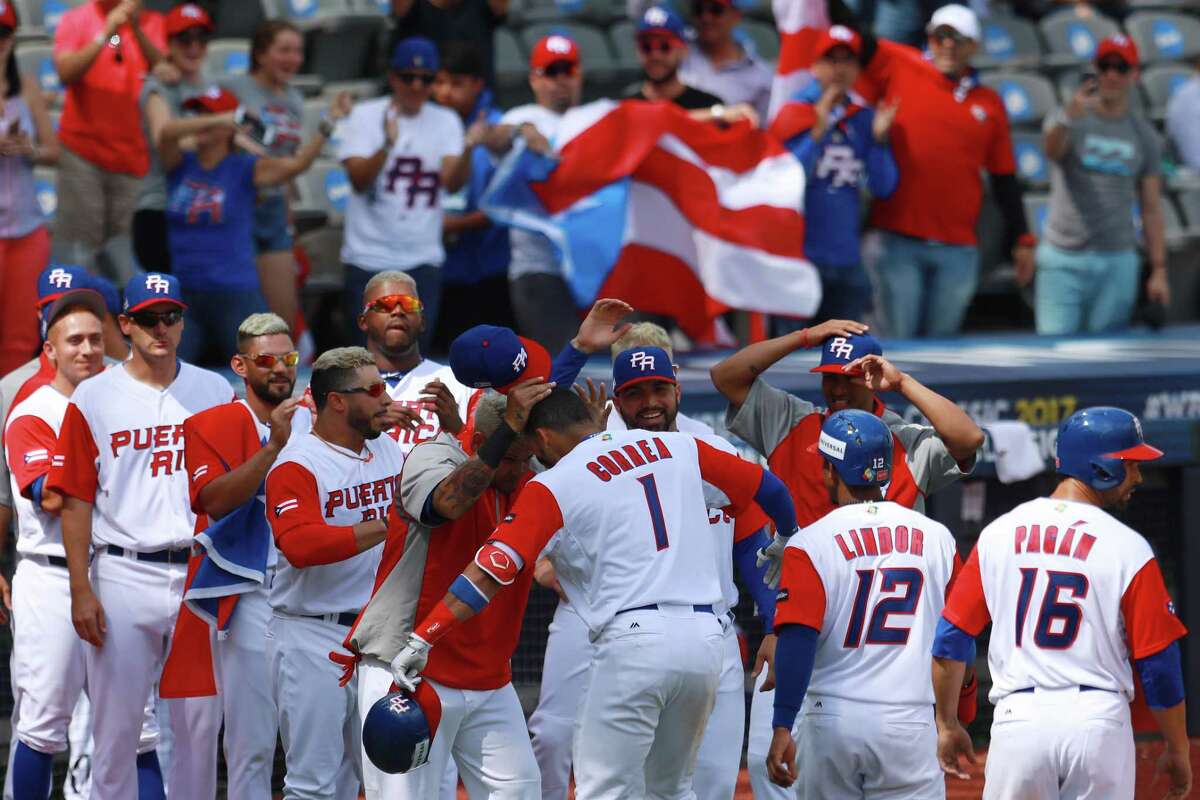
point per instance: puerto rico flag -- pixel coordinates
(674, 216)
(800, 24)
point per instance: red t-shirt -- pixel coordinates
(101, 120)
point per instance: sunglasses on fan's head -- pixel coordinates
(389, 302)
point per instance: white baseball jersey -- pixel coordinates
(121, 448)
(397, 222)
(316, 493)
(30, 438)
(872, 578)
(633, 510)
(408, 393)
(1072, 594)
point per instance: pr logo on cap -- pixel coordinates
(841, 33)
(157, 284)
(840, 348)
(641, 360)
(656, 16)
(59, 278)
(560, 45)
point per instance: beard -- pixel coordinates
(662, 79)
(665, 422)
(363, 424)
(272, 393)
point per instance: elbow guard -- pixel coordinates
(499, 561)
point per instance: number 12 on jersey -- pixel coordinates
(879, 631)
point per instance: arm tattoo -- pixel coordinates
(459, 490)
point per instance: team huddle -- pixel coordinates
(347, 571)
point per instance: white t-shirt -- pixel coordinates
(397, 222)
(532, 253)
(408, 392)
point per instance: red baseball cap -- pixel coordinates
(189, 15)
(1118, 45)
(8, 14)
(838, 36)
(213, 100)
(551, 48)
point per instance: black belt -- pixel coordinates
(56, 561)
(1081, 687)
(165, 556)
(705, 608)
(343, 618)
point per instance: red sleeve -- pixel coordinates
(211, 448)
(294, 511)
(1150, 621)
(966, 607)
(801, 599)
(890, 57)
(534, 519)
(958, 565)
(73, 471)
(1000, 158)
(29, 444)
(737, 478)
(70, 35)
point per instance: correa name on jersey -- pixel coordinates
(628, 457)
(168, 438)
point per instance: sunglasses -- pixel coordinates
(1115, 65)
(712, 9)
(374, 390)
(188, 38)
(150, 319)
(651, 45)
(942, 34)
(268, 360)
(409, 78)
(559, 69)
(388, 303)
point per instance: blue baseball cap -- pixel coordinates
(859, 446)
(63, 285)
(662, 21)
(153, 287)
(642, 364)
(492, 356)
(838, 351)
(415, 52)
(112, 297)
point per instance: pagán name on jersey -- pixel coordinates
(881, 541)
(1035, 539)
(373, 498)
(159, 436)
(630, 456)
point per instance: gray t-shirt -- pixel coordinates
(1094, 188)
(770, 414)
(282, 110)
(153, 194)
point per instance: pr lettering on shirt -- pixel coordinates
(202, 202)
(628, 457)
(428, 429)
(419, 181)
(839, 165)
(880, 541)
(1046, 540)
(164, 441)
(372, 498)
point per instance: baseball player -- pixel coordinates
(48, 658)
(784, 428)
(228, 450)
(1073, 595)
(856, 613)
(646, 397)
(119, 466)
(629, 506)
(331, 498)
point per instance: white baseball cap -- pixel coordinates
(960, 18)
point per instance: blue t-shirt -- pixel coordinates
(210, 223)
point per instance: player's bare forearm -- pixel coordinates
(734, 376)
(456, 170)
(470, 221)
(362, 172)
(948, 676)
(462, 488)
(1172, 722)
(368, 534)
(958, 431)
(236, 487)
(77, 540)
(6, 518)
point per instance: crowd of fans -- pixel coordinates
(161, 167)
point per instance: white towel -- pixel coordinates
(1015, 450)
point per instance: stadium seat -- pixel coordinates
(1069, 81)
(238, 19)
(1072, 39)
(1162, 36)
(37, 59)
(45, 183)
(1008, 42)
(382, 7)
(325, 189)
(227, 57)
(1159, 83)
(512, 63)
(1032, 166)
(757, 9)
(42, 16)
(305, 10)
(1028, 97)
(597, 57)
(624, 45)
(762, 36)
(343, 48)
(324, 247)
(1189, 203)
(533, 12)
(1036, 207)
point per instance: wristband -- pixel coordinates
(325, 127)
(441, 620)
(1026, 240)
(493, 450)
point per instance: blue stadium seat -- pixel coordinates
(1162, 36)
(1160, 82)
(623, 37)
(1008, 42)
(42, 16)
(37, 59)
(227, 57)
(1027, 96)
(304, 10)
(326, 189)
(1033, 168)
(1072, 39)
(761, 37)
(1036, 208)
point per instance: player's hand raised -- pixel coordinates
(521, 400)
(402, 417)
(835, 327)
(436, 397)
(596, 400)
(406, 667)
(1178, 768)
(766, 655)
(600, 328)
(781, 758)
(281, 422)
(953, 742)
(88, 616)
(879, 374)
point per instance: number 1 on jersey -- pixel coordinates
(656, 513)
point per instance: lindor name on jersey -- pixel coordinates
(880, 541)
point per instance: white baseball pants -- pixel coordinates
(318, 720)
(653, 684)
(758, 744)
(1067, 744)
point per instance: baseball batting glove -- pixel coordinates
(772, 556)
(407, 666)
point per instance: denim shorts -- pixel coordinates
(271, 230)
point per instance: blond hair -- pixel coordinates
(265, 324)
(643, 334)
(489, 412)
(390, 276)
(333, 369)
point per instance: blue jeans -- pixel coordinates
(211, 322)
(925, 286)
(845, 294)
(428, 278)
(1084, 291)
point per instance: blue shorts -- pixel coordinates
(272, 233)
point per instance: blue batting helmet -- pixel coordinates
(398, 731)
(858, 445)
(1094, 443)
